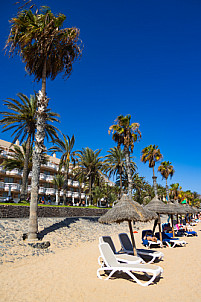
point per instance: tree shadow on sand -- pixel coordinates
(63, 224)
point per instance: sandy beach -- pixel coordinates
(66, 271)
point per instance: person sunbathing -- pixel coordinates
(150, 237)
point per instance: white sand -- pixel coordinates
(70, 275)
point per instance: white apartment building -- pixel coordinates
(10, 181)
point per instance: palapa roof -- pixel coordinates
(189, 209)
(179, 207)
(127, 209)
(160, 207)
(196, 209)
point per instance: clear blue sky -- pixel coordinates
(141, 58)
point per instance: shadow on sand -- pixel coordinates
(63, 224)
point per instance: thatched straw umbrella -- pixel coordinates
(180, 209)
(159, 207)
(127, 210)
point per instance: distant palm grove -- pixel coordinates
(47, 49)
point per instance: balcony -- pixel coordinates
(42, 190)
(75, 183)
(50, 165)
(50, 191)
(70, 182)
(83, 195)
(1, 185)
(14, 187)
(75, 194)
(42, 176)
(49, 178)
(15, 172)
(69, 194)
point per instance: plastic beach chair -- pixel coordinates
(121, 257)
(111, 266)
(127, 247)
(149, 243)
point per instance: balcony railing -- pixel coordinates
(50, 191)
(14, 172)
(1, 185)
(69, 194)
(49, 178)
(83, 195)
(42, 190)
(70, 182)
(13, 186)
(42, 176)
(75, 183)
(75, 194)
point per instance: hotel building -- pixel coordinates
(10, 181)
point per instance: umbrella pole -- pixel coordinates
(132, 238)
(155, 224)
(172, 225)
(159, 227)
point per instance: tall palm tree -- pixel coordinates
(166, 169)
(152, 154)
(90, 164)
(126, 134)
(47, 50)
(58, 182)
(175, 190)
(115, 163)
(65, 147)
(21, 119)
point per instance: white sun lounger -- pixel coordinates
(110, 264)
(121, 257)
(128, 248)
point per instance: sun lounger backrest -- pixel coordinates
(146, 231)
(107, 255)
(125, 242)
(108, 240)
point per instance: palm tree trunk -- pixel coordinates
(128, 170)
(23, 194)
(42, 103)
(65, 187)
(120, 178)
(167, 190)
(90, 190)
(154, 183)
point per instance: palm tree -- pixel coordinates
(65, 147)
(21, 119)
(151, 154)
(115, 163)
(166, 169)
(47, 50)
(174, 189)
(126, 134)
(58, 182)
(16, 158)
(91, 166)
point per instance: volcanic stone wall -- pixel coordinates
(10, 211)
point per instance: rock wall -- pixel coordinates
(10, 211)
